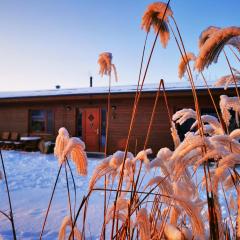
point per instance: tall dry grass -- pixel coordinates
(106, 68)
(67, 148)
(9, 215)
(171, 205)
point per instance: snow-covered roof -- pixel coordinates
(178, 86)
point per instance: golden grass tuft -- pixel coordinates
(227, 104)
(226, 80)
(66, 222)
(211, 49)
(75, 149)
(61, 143)
(143, 224)
(238, 212)
(206, 34)
(106, 65)
(182, 67)
(152, 18)
(171, 232)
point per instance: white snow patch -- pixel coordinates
(169, 86)
(31, 178)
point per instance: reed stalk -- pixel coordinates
(184, 54)
(139, 95)
(105, 187)
(84, 217)
(11, 218)
(234, 53)
(226, 201)
(164, 222)
(161, 84)
(80, 208)
(108, 115)
(126, 191)
(135, 100)
(134, 111)
(129, 222)
(233, 76)
(212, 212)
(138, 198)
(158, 215)
(74, 186)
(213, 101)
(5, 215)
(141, 66)
(153, 177)
(150, 193)
(50, 202)
(148, 133)
(69, 197)
(106, 149)
(238, 213)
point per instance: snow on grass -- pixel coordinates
(31, 178)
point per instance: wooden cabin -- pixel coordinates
(83, 112)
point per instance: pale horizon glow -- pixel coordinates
(48, 43)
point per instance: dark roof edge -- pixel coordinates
(115, 93)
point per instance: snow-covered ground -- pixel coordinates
(31, 178)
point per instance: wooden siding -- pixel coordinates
(14, 116)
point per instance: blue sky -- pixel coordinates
(47, 43)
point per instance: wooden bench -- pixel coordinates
(30, 143)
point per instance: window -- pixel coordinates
(186, 126)
(79, 124)
(233, 121)
(103, 127)
(41, 121)
(209, 111)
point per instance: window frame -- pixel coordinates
(31, 131)
(82, 112)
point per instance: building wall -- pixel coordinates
(14, 117)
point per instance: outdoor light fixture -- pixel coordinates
(68, 108)
(114, 115)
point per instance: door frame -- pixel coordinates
(83, 111)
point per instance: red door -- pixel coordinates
(92, 129)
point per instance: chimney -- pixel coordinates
(91, 82)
